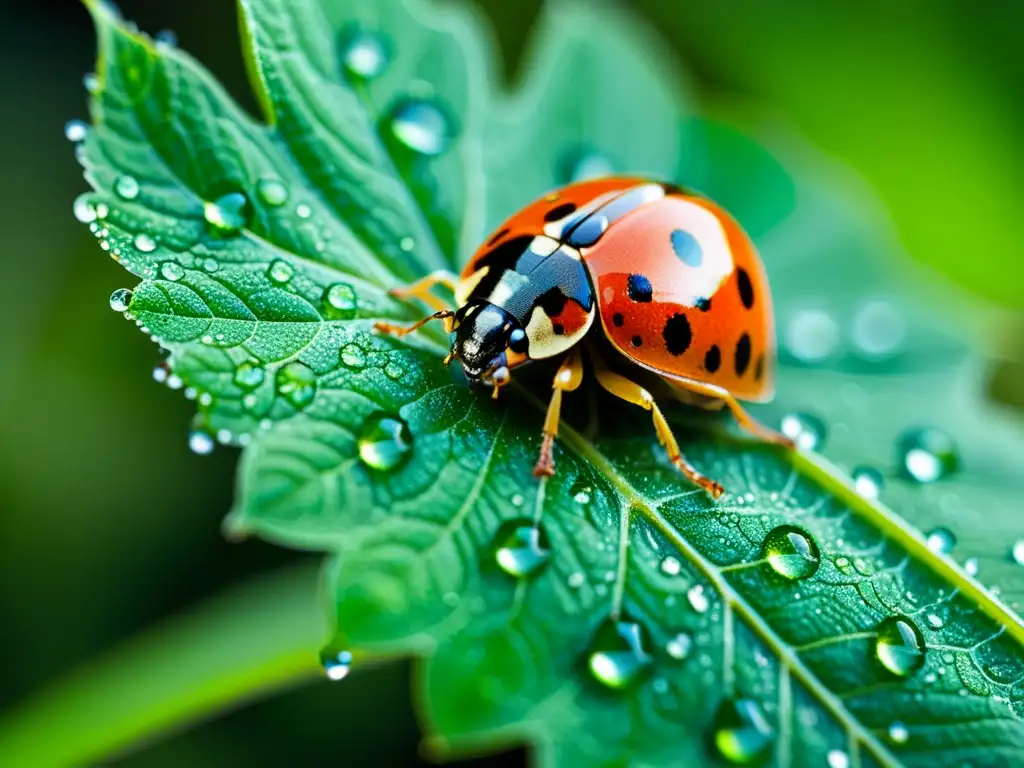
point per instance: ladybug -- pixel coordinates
(668, 278)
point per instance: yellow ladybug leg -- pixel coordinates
(568, 378)
(744, 419)
(422, 288)
(402, 330)
(632, 392)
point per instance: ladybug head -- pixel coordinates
(483, 334)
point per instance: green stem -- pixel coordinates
(252, 641)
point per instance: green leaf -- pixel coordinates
(643, 623)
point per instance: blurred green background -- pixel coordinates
(99, 539)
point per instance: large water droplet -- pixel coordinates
(272, 192)
(228, 214)
(76, 130)
(364, 55)
(898, 732)
(248, 376)
(336, 664)
(145, 243)
(618, 657)
(1017, 553)
(280, 271)
(868, 482)
(385, 442)
(127, 187)
(422, 126)
(927, 454)
(812, 336)
(940, 540)
(340, 302)
(791, 552)
(200, 442)
(521, 548)
(120, 300)
(878, 330)
(296, 383)
(84, 210)
(740, 731)
(171, 270)
(807, 430)
(900, 646)
(352, 356)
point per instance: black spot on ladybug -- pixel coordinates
(618, 320)
(712, 359)
(677, 334)
(559, 212)
(703, 304)
(746, 289)
(558, 329)
(742, 360)
(759, 368)
(588, 232)
(636, 341)
(498, 235)
(639, 289)
(552, 301)
(687, 248)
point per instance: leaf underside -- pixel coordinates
(268, 325)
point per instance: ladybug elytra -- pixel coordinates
(669, 278)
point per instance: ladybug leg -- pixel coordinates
(446, 315)
(568, 378)
(744, 419)
(632, 392)
(421, 289)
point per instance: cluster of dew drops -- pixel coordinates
(421, 125)
(618, 657)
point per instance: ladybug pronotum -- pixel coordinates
(669, 279)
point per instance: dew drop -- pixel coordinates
(249, 375)
(927, 454)
(576, 580)
(127, 187)
(160, 371)
(84, 210)
(422, 126)
(200, 442)
(900, 646)
(836, 758)
(868, 482)
(807, 430)
(1017, 552)
(364, 55)
(878, 330)
(171, 270)
(671, 566)
(145, 243)
(697, 598)
(336, 664)
(91, 82)
(303, 211)
(812, 336)
(934, 621)
(407, 244)
(120, 300)
(521, 548)
(679, 647)
(352, 356)
(618, 657)
(940, 540)
(280, 271)
(898, 732)
(210, 265)
(272, 192)
(971, 566)
(741, 732)
(791, 552)
(76, 130)
(296, 383)
(228, 214)
(385, 442)
(340, 302)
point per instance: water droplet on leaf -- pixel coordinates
(385, 442)
(280, 271)
(940, 540)
(791, 552)
(336, 664)
(296, 383)
(171, 270)
(812, 336)
(91, 82)
(228, 214)
(364, 55)
(878, 330)
(200, 442)
(120, 300)
(740, 731)
(618, 657)
(145, 243)
(303, 211)
(127, 187)
(671, 566)
(248, 376)
(272, 192)
(679, 647)
(521, 548)
(868, 482)
(697, 598)
(836, 758)
(927, 454)
(422, 126)
(84, 210)
(900, 646)
(76, 130)
(1018, 552)
(972, 566)
(340, 302)
(806, 430)
(352, 356)
(898, 732)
